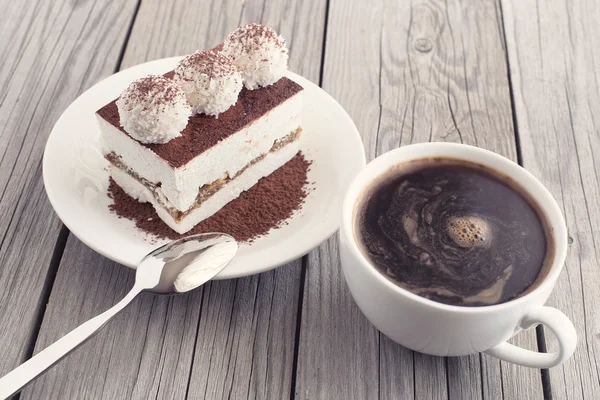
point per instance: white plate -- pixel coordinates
(76, 178)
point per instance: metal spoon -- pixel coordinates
(176, 267)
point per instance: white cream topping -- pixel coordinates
(153, 109)
(259, 53)
(210, 81)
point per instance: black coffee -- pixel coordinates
(453, 232)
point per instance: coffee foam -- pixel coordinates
(469, 231)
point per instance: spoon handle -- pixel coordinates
(15, 380)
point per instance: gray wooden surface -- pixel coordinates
(50, 52)
(557, 98)
(519, 78)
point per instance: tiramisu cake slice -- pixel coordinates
(194, 139)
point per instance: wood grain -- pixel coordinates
(554, 65)
(49, 55)
(229, 339)
(245, 343)
(407, 73)
(339, 350)
(182, 27)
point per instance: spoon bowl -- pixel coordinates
(185, 264)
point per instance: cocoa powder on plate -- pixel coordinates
(266, 205)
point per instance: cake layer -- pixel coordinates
(205, 191)
(230, 191)
(224, 159)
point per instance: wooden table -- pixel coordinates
(517, 77)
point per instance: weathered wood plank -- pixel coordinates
(397, 365)
(246, 337)
(49, 54)
(339, 350)
(464, 377)
(407, 73)
(553, 58)
(173, 32)
(228, 339)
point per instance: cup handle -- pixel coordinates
(559, 324)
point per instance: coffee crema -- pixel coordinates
(454, 232)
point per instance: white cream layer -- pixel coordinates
(229, 192)
(180, 185)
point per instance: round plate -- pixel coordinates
(76, 178)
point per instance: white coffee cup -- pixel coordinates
(445, 330)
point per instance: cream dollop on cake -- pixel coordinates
(153, 109)
(259, 53)
(210, 81)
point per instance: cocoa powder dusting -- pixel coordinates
(267, 205)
